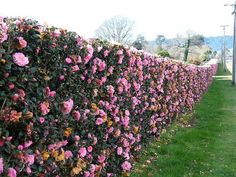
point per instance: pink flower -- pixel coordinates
(99, 48)
(68, 60)
(76, 115)
(44, 108)
(1, 165)
(82, 152)
(27, 144)
(22, 42)
(10, 85)
(120, 60)
(119, 150)
(3, 30)
(11, 172)
(21, 93)
(28, 170)
(62, 77)
(79, 40)
(48, 92)
(90, 49)
(2, 142)
(119, 52)
(20, 147)
(101, 65)
(90, 149)
(110, 69)
(126, 166)
(86, 174)
(67, 106)
(20, 59)
(68, 154)
(15, 97)
(99, 121)
(101, 158)
(56, 33)
(75, 68)
(76, 138)
(41, 120)
(106, 52)
(29, 159)
(94, 69)
(87, 58)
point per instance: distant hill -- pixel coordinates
(216, 42)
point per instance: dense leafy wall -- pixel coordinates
(75, 107)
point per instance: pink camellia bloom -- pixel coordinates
(90, 149)
(86, 174)
(11, 172)
(75, 68)
(87, 58)
(68, 60)
(101, 65)
(126, 166)
(41, 120)
(3, 30)
(82, 152)
(62, 77)
(20, 147)
(20, 59)
(27, 144)
(101, 158)
(106, 52)
(29, 159)
(44, 108)
(2, 142)
(76, 115)
(99, 48)
(28, 170)
(99, 121)
(94, 69)
(56, 33)
(22, 42)
(110, 69)
(67, 106)
(76, 138)
(48, 92)
(68, 154)
(90, 49)
(21, 93)
(119, 52)
(119, 150)
(10, 85)
(1, 165)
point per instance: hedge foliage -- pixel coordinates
(73, 107)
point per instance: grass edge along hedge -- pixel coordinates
(73, 107)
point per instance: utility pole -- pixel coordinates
(223, 54)
(234, 45)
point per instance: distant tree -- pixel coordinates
(140, 43)
(117, 28)
(192, 40)
(159, 41)
(163, 53)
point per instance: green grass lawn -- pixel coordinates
(207, 148)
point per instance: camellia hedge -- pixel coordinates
(71, 107)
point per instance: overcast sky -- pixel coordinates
(152, 17)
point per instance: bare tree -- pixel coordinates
(140, 43)
(117, 28)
